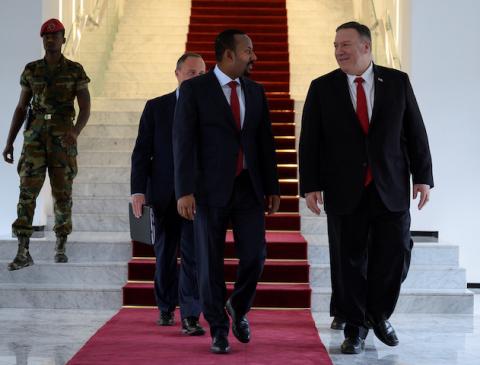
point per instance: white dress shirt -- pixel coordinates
(368, 86)
(224, 80)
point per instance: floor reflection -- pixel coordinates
(424, 340)
(45, 337)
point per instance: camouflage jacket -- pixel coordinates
(54, 91)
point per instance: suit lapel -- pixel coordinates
(379, 92)
(217, 94)
(171, 106)
(247, 92)
(345, 99)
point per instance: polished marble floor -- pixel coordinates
(45, 336)
(52, 337)
(424, 340)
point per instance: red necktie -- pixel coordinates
(235, 105)
(362, 114)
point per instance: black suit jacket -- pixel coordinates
(206, 142)
(334, 152)
(152, 157)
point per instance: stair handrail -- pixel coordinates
(83, 19)
(384, 47)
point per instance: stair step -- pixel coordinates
(79, 273)
(101, 190)
(125, 123)
(152, 31)
(209, 36)
(92, 205)
(119, 105)
(247, 28)
(238, 19)
(135, 75)
(208, 54)
(151, 87)
(313, 225)
(453, 301)
(55, 296)
(103, 249)
(267, 295)
(423, 253)
(419, 277)
(100, 158)
(97, 222)
(284, 156)
(284, 129)
(119, 205)
(287, 157)
(273, 272)
(239, 4)
(238, 11)
(280, 246)
(121, 159)
(257, 46)
(285, 143)
(167, 88)
(105, 173)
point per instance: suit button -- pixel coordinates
(364, 164)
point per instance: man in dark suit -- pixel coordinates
(225, 167)
(362, 137)
(152, 181)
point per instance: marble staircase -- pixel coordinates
(92, 279)
(99, 249)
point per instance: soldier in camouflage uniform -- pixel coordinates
(51, 84)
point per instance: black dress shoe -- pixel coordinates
(220, 345)
(385, 333)
(191, 327)
(240, 325)
(166, 319)
(353, 345)
(338, 323)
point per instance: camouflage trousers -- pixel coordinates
(43, 151)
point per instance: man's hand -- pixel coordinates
(314, 200)
(424, 191)
(186, 207)
(70, 138)
(8, 154)
(273, 204)
(138, 201)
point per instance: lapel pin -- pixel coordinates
(380, 79)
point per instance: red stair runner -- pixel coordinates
(284, 283)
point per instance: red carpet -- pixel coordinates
(284, 283)
(132, 337)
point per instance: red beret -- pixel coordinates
(51, 26)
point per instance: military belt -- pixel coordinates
(44, 116)
(49, 116)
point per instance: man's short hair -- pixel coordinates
(184, 57)
(226, 40)
(360, 28)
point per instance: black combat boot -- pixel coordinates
(60, 256)
(23, 258)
